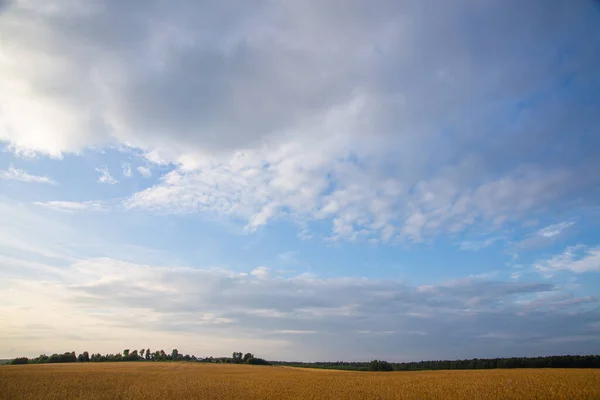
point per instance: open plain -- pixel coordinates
(223, 381)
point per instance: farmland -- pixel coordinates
(217, 381)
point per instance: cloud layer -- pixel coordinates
(301, 315)
(395, 123)
(223, 77)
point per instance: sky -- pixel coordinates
(314, 180)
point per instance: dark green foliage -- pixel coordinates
(131, 356)
(378, 365)
(237, 358)
(570, 361)
(42, 359)
(62, 358)
(257, 361)
(161, 355)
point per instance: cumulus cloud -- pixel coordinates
(307, 317)
(261, 272)
(16, 174)
(73, 206)
(105, 176)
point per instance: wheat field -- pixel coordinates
(223, 381)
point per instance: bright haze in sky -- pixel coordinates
(305, 180)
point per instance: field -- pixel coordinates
(223, 381)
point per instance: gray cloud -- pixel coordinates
(319, 318)
(4, 4)
(221, 76)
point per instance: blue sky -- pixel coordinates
(407, 180)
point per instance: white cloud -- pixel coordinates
(105, 176)
(144, 171)
(554, 230)
(126, 170)
(261, 272)
(16, 174)
(577, 259)
(311, 186)
(73, 206)
(293, 332)
(546, 236)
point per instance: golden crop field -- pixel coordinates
(223, 381)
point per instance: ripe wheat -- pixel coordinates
(221, 381)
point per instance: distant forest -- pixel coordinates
(568, 361)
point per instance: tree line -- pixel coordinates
(568, 361)
(135, 355)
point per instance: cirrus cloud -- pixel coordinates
(73, 206)
(16, 174)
